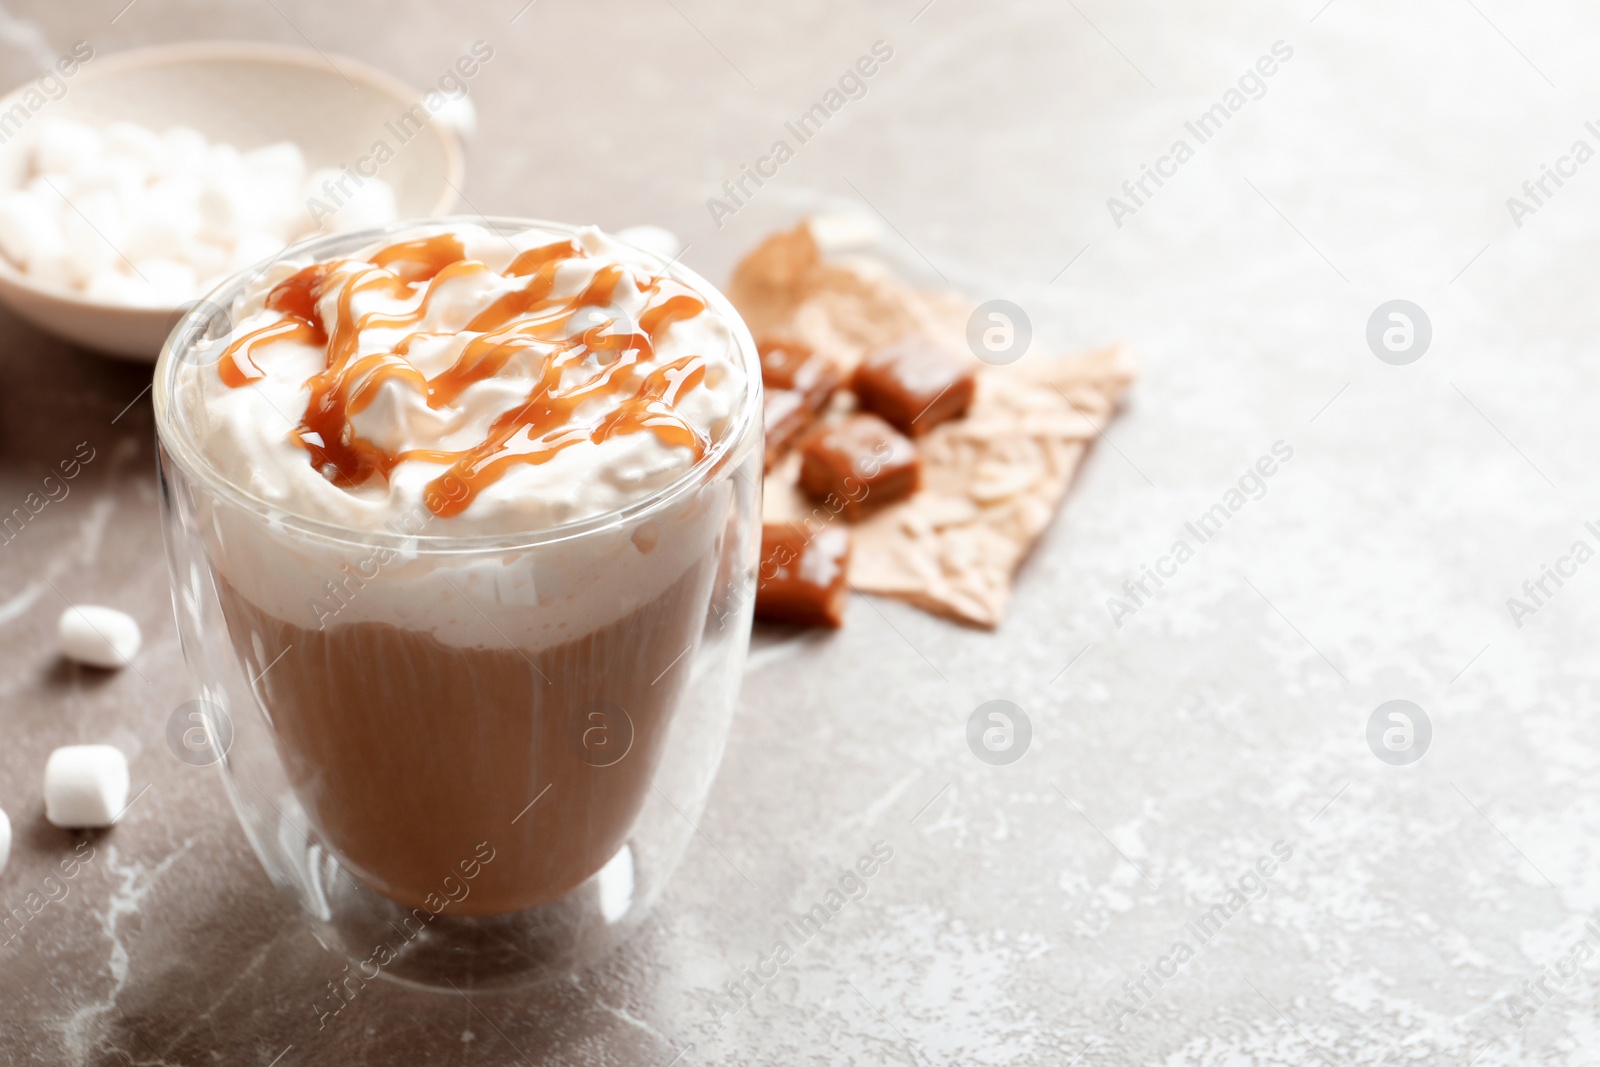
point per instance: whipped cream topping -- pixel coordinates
(451, 380)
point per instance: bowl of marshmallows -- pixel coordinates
(131, 185)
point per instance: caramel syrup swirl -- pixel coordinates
(522, 320)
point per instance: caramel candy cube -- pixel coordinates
(803, 577)
(786, 416)
(790, 365)
(858, 465)
(914, 384)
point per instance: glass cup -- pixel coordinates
(469, 760)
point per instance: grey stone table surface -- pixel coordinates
(1203, 742)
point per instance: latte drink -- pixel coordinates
(469, 618)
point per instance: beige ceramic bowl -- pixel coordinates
(247, 95)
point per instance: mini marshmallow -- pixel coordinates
(460, 114)
(223, 162)
(89, 249)
(173, 282)
(658, 239)
(92, 233)
(133, 141)
(281, 161)
(151, 236)
(102, 210)
(98, 636)
(252, 248)
(229, 208)
(845, 231)
(85, 786)
(100, 205)
(207, 259)
(55, 269)
(354, 207)
(29, 231)
(48, 191)
(116, 174)
(183, 151)
(5, 840)
(274, 174)
(63, 145)
(113, 286)
(173, 203)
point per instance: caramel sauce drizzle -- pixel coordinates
(522, 319)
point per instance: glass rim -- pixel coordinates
(177, 442)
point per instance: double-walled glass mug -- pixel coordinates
(468, 759)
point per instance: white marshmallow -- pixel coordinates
(48, 190)
(138, 143)
(845, 231)
(658, 239)
(183, 151)
(229, 208)
(280, 163)
(276, 174)
(323, 183)
(54, 270)
(460, 114)
(151, 234)
(173, 203)
(98, 636)
(102, 208)
(114, 286)
(63, 145)
(210, 259)
(354, 206)
(374, 205)
(119, 287)
(85, 786)
(29, 231)
(93, 230)
(90, 248)
(223, 163)
(172, 281)
(116, 174)
(5, 840)
(252, 248)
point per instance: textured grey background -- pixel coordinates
(1228, 714)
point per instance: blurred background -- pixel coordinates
(1427, 912)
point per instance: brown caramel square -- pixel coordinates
(787, 416)
(858, 465)
(914, 384)
(791, 365)
(803, 577)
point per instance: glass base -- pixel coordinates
(427, 949)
